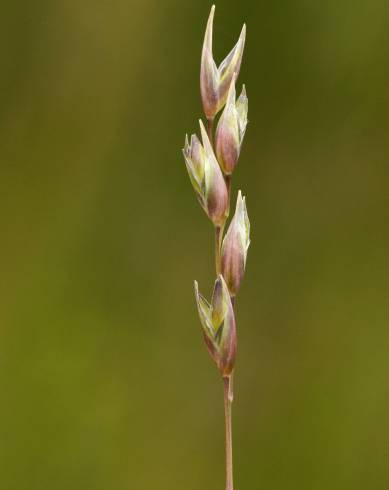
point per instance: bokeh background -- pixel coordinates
(105, 382)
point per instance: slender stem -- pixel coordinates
(228, 395)
(228, 381)
(210, 130)
(218, 237)
(227, 179)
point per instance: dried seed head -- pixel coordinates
(206, 177)
(215, 81)
(235, 245)
(231, 129)
(218, 323)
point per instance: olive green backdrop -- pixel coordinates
(105, 383)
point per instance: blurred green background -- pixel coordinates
(105, 382)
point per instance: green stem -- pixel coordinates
(210, 130)
(218, 239)
(227, 179)
(228, 381)
(228, 397)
